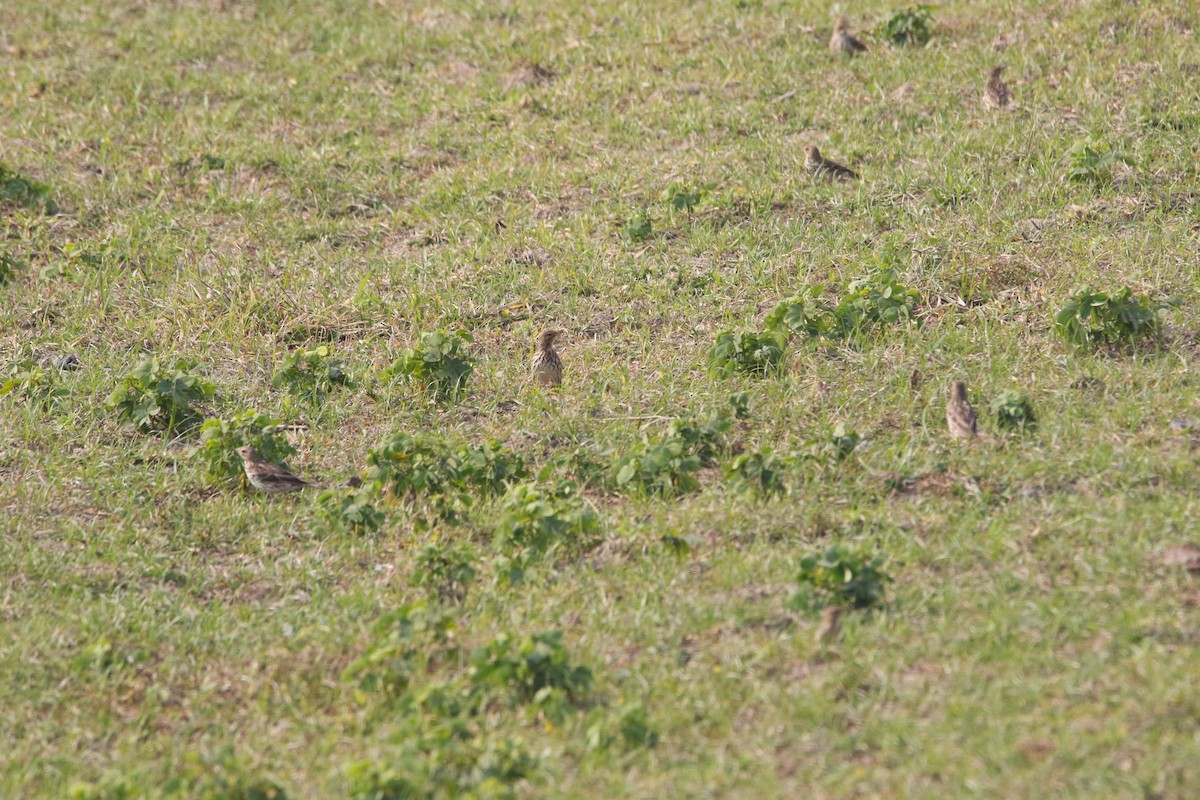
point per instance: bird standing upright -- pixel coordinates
(547, 366)
(842, 42)
(996, 94)
(266, 476)
(818, 165)
(830, 630)
(960, 417)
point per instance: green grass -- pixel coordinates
(227, 182)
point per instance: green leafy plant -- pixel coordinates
(310, 374)
(875, 299)
(639, 227)
(32, 384)
(448, 761)
(842, 441)
(409, 642)
(749, 353)
(705, 438)
(425, 469)
(447, 569)
(1091, 162)
(1013, 411)
(628, 725)
(440, 364)
(158, 397)
(759, 474)
(840, 575)
(1094, 318)
(10, 265)
(658, 466)
(220, 437)
(19, 190)
(909, 26)
(683, 199)
(352, 508)
(804, 314)
(538, 519)
(533, 668)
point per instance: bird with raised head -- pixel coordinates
(266, 476)
(960, 417)
(842, 42)
(818, 165)
(547, 366)
(995, 93)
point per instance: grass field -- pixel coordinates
(229, 182)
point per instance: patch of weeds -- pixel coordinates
(10, 265)
(759, 474)
(877, 299)
(749, 353)
(684, 199)
(1091, 162)
(1013, 411)
(639, 227)
(352, 508)
(157, 397)
(841, 575)
(221, 775)
(658, 466)
(628, 726)
(447, 569)
(704, 439)
(410, 641)
(450, 761)
(425, 468)
(532, 669)
(29, 382)
(909, 26)
(440, 364)
(220, 437)
(842, 442)
(739, 404)
(310, 374)
(1092, 318)
(16, 189)
(537, 520)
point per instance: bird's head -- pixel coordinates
(546, 338)
(811, 152)
(995, 73)
(840, 24)
(247, 453)
(958, 390)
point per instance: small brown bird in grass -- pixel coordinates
(842, 42)
(995, 94)
(818, 165)
(266, 476)
(547, 366)
(830, 630)
(960, 417)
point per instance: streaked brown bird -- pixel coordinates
(996, 94)
(547, 366)
(960, 417)
(266, 476)
(830, 630)
(842, 42)
(818, 165)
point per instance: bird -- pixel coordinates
(842, 42)
(266, 476)
(816, 164)
(547, 366)
(995, 93)
(960, 417)
(830, 629)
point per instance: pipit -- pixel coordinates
(960, 417)
(818, 165)
(842, 42)
(547, 366)
(995, 94)
(830, 630)
(266, 476)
